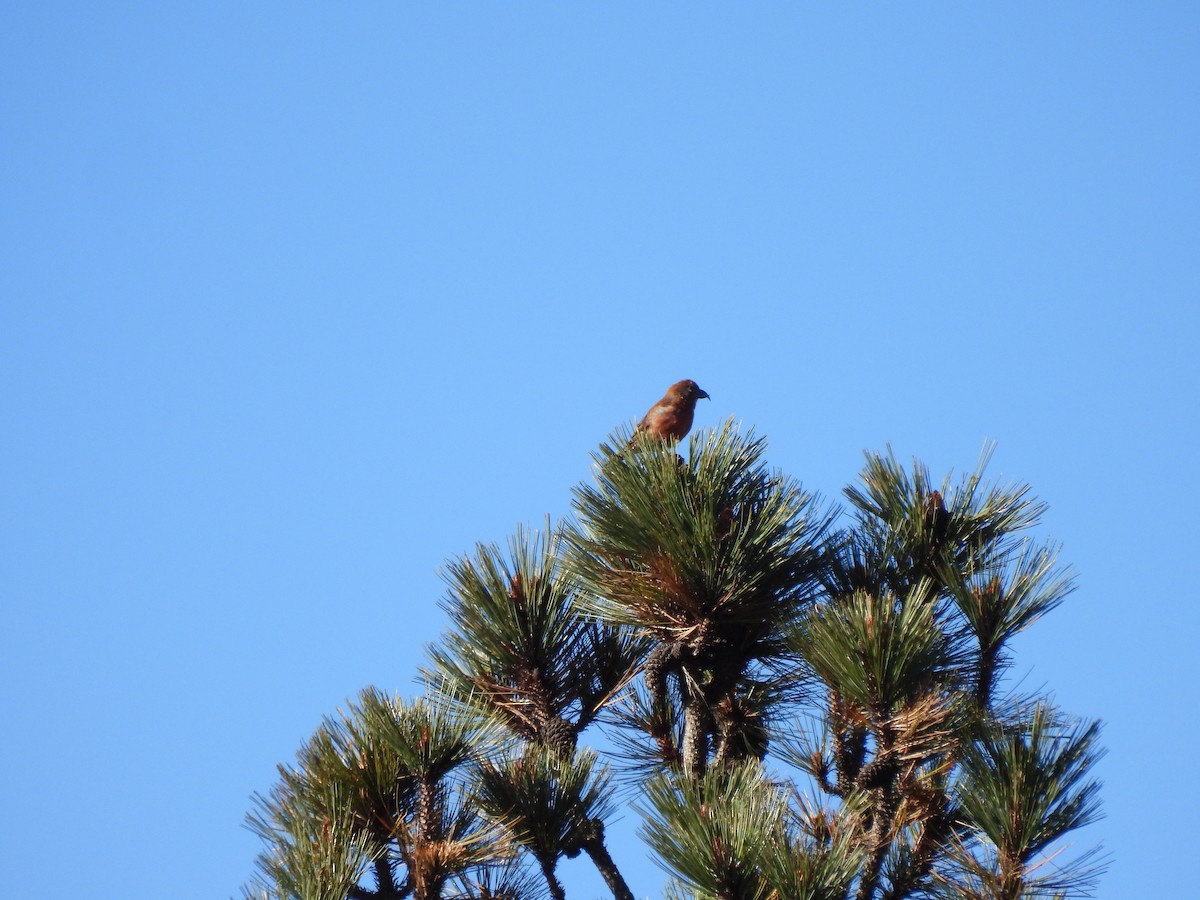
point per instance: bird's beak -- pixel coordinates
(700, 392)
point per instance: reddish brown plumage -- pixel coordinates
(671, 417)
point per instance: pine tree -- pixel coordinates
(810, 701)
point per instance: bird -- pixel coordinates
(671, 417)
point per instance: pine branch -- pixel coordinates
(594, 846)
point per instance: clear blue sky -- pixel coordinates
(299, 300)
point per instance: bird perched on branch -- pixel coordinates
(671, 417)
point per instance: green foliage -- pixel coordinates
(521, 646)
(713, 558)
(912, 530)
(1020, 790)
(734, 835)
(709, 616)
(550, 804)
(509, 880)
(313, 853)
(1000, 601)
(429, 740)
(877, 651)
(713, 833)
(371, 786)
(718, 543)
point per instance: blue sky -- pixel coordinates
(300, 300)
